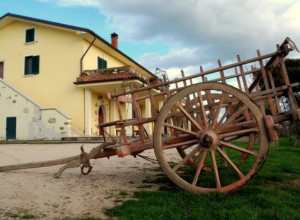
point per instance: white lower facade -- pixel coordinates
(23, 119)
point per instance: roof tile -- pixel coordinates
(110, 74)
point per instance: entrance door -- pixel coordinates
(1, 69)
(101, 119)
(11, 125)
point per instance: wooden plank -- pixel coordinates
(266, 83)
(292, 99)
(222, 72)
(185, 85)
(242, 73)
(274, 93)
(270, 91)
(125, 99)
(138, 115)
(137, 121)
(153, 110)
(118, 107)
(238, 78)
(123, 132)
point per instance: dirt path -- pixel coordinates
(35, 193)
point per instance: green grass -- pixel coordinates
(273, 194)
(21, 214)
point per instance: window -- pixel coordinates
(102, 64)
(32, 65)
(30, 35)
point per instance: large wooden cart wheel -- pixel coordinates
(220, 126)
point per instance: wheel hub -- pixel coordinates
(209, 139)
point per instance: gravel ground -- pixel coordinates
(35, 194)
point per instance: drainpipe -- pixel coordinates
(81, 59)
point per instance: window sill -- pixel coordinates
(30, 75)
(30, 43)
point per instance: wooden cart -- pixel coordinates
(213, 131)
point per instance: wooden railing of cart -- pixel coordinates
(261, 89)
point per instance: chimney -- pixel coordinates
(114, 40)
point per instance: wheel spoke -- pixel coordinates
(198, 157)
(181, 144)
(189, 156)
(180, 129)
(187, 146)
(215, 119)
(232, 117)
(239, 133)
(234, 147)
(200, 166)
(215, 168)
(236, 169)
(202, 109)
(189, 116)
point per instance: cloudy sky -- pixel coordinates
(176, 34)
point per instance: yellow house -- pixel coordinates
(66, 68)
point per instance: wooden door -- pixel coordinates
(100, 119)
(11, 127)
(1, 69)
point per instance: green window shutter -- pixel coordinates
(102, 64)
(27, 65)
(35, 64)
(99, 63)
(30, 35)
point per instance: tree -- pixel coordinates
(293, 69)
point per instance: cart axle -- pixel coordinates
(209, 139)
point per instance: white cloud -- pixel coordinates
(196, 22)
(206, 30)
(178, 57)
(176, 60)
(200, 31)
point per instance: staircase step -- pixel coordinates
(84, 138)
